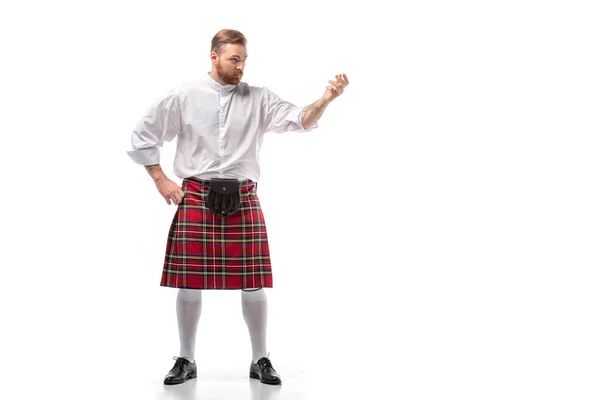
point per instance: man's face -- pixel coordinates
(231, 63)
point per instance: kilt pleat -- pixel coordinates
(205, 251)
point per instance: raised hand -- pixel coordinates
(335, 88)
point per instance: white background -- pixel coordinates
(460, 259)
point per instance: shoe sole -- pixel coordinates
(192, 376)
(255, 376)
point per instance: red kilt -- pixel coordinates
(205, 251)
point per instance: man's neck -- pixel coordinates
(213, 74)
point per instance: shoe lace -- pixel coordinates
(179, 363)
(265, 362)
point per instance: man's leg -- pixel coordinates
(254, 308)
(188, 306)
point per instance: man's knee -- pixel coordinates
(190, 294)
(253, 295)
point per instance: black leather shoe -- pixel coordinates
(263, 370)
(181, 371)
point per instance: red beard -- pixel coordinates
(230, 79)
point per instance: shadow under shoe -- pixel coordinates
(264, 371)
(181, 371)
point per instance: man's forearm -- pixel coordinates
(155, 172)
(312, 113)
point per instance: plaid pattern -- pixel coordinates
(205, 251)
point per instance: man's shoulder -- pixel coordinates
(251, 87)
(188, 86)
(264, 91)
(245, 88)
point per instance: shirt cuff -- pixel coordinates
(149, 156)
(296, 116)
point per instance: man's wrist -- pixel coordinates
(156, 172)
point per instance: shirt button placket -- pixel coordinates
(221, 139)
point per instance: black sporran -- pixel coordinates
(224, 196)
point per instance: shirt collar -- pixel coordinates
(216, 85)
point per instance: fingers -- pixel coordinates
(344, 79)
(337, 87)
(170, 191)
(175, 197)
(341, 80)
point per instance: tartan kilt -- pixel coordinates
(205, 251)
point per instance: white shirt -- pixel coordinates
(219, 128)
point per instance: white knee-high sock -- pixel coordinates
(254, 308)
(189, 306)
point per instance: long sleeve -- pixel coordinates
(161, 123)
(281, 116)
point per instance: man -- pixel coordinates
(218, 238)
